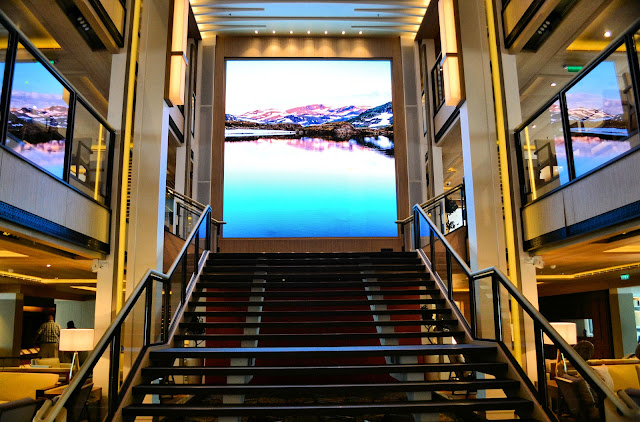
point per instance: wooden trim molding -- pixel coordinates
(311, 48)
(24, 218)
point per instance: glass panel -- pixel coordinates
(602, 114)
(543, 153)
(4, 43)
(132, 337)
(39, 108)
(485, 315)
(175, 282)
(453, 216)
(157, 304)
(512, 324)
(461, 295)
(90, 154)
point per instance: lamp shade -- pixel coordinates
(76, 340)
(567, 331)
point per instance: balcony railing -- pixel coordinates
(437, 85)
(590, 123)
(46, 122)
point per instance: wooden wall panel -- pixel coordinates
(25, 187)
(610, 188)
(320, 244)
(544, 216)
(292, 47)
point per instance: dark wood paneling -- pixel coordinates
(588, 305)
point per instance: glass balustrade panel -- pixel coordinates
(602, 114)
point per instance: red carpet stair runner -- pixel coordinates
(324, 337)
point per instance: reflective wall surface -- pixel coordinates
(47, 123)
(589, 123)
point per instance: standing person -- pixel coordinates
(48, 337)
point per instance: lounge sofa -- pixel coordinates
(21, 410)
(18, 385)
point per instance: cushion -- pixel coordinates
(49, 362)
(18, 385)
(603, 373)
(623, 377)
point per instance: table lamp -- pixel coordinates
(75, 340)
(569, 332)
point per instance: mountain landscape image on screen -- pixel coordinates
(315, 120)
(307, 163)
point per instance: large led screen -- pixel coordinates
(309, 149)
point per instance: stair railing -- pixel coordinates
(158, 300)
(492, 302)
(440, 208)
(181, 213)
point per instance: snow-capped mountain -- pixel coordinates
(377, 117)
(317, 114)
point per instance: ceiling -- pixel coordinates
(592, 264)
(575, 43)
(49, 29)
(53, 272)
(371, 18)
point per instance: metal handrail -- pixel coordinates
(432, 201)
(621, 400)
(192, 201)
(116, 325)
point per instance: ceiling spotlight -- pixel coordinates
(308, 32)
(553, 84)
(534, 126)
(343, 32)
(607, 34)
(360, 32)
(48, 265)
(291, 32)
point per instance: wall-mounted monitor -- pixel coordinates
(309, 149)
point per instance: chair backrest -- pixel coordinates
(18, 410)
(76, 402)
(50, 362)
(585, 349)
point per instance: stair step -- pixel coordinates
(313, 284)
(275, 269)
(333, 352)
(329, 409)
(326, 293)
(340, 312)
(315, 324)
(310, 255)
(313, 276)
(319, 336)
(238, 262)
(493, 368)
(332, 389)
(310, 303)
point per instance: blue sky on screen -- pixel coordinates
(285, 84)
(34, 77)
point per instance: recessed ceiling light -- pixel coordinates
(308, 32)
(343, 32)
(360, 32)
(326, 32)
(553, 84)
(48, 265)
(256, 31)
(534, 126)
(274, 32)
(607, 34)
(291, 32)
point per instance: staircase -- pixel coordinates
(325, 337)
